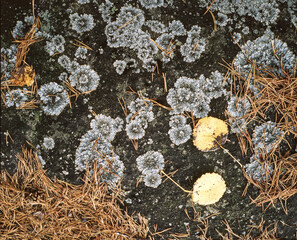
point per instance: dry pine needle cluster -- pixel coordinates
(35, 207)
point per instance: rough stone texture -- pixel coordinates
(165, 205)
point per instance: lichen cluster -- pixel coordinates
(150, 164)
(95, 148)
(137, 121)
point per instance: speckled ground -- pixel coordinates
(164, 206)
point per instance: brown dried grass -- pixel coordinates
(280, 185)
(277, 96)
(23, 74)
(35, 207)
(256, 232)
(259, 231)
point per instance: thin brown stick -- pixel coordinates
(209, 7)
(129, 21)
(165, 82)
(186, 191)
(83, 45)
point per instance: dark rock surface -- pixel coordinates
(164, 206)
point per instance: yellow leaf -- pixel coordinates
(23, 75)
(208, 132)
(208, 189)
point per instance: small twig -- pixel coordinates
(228, 152)
(123, 106)
(209, 7)
(214, 21)
(83, 45)
(8, 135)
(129, 21)
(187, 191)
(165, 82)
(32, 146)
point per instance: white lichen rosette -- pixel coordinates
(84, 79)
(54, 98)
(150, 164)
